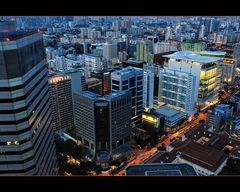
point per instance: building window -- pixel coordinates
(12, 143)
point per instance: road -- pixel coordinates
(144, 153)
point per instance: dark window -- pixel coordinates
(139, 77)
(115, 82)
(125, 87)
(133, 92)
(132, 82)
(125, 82)
(115, 87)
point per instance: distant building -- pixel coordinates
(144, 51)
(166, 46)
(110, 50)
(160, 169)
(168, 33)
(193, 45)
(103, 123)
(130, 79)
(218, 115)
(202, 32)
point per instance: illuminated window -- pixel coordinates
(12, 143)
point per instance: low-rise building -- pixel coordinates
(172, 116)
(160, 169)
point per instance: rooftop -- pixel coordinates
(169, 112)
(192, 56)
(196, 153)
(17, 35)
(160, 169)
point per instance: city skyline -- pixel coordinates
(120, 95)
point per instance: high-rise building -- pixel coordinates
(26, 134)
(130, 79)
(148, 89)
(168, 33)
(228, 68)
(61, 102)
(176, 88)
(110, 50)
(103, 123)
(144, 51)
(218, 115)
(204, 68)
(202, 32)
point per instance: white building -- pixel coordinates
(148, 89)
(202, 32)
(168, 33)
(177, 89)
(204, 68)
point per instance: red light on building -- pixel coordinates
(3, 30)
(39, 31)
(7, 39)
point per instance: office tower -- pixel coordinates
(168, 33)
(148, 89)
(204, 68)
(110, 50)
(61, 101)
(144, 51)
(130, 79)
(207, 23)
(103, 123)
(214, 25)
(93, 63)
(26, 134)
(202, 32)
(176, 88)
(218, 115)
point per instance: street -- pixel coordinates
(143, 154)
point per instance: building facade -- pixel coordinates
(148, 89)
(26, 132)
(103, 123)
(130, 79)
(61, 101)
(204, 67)
(176, 88)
